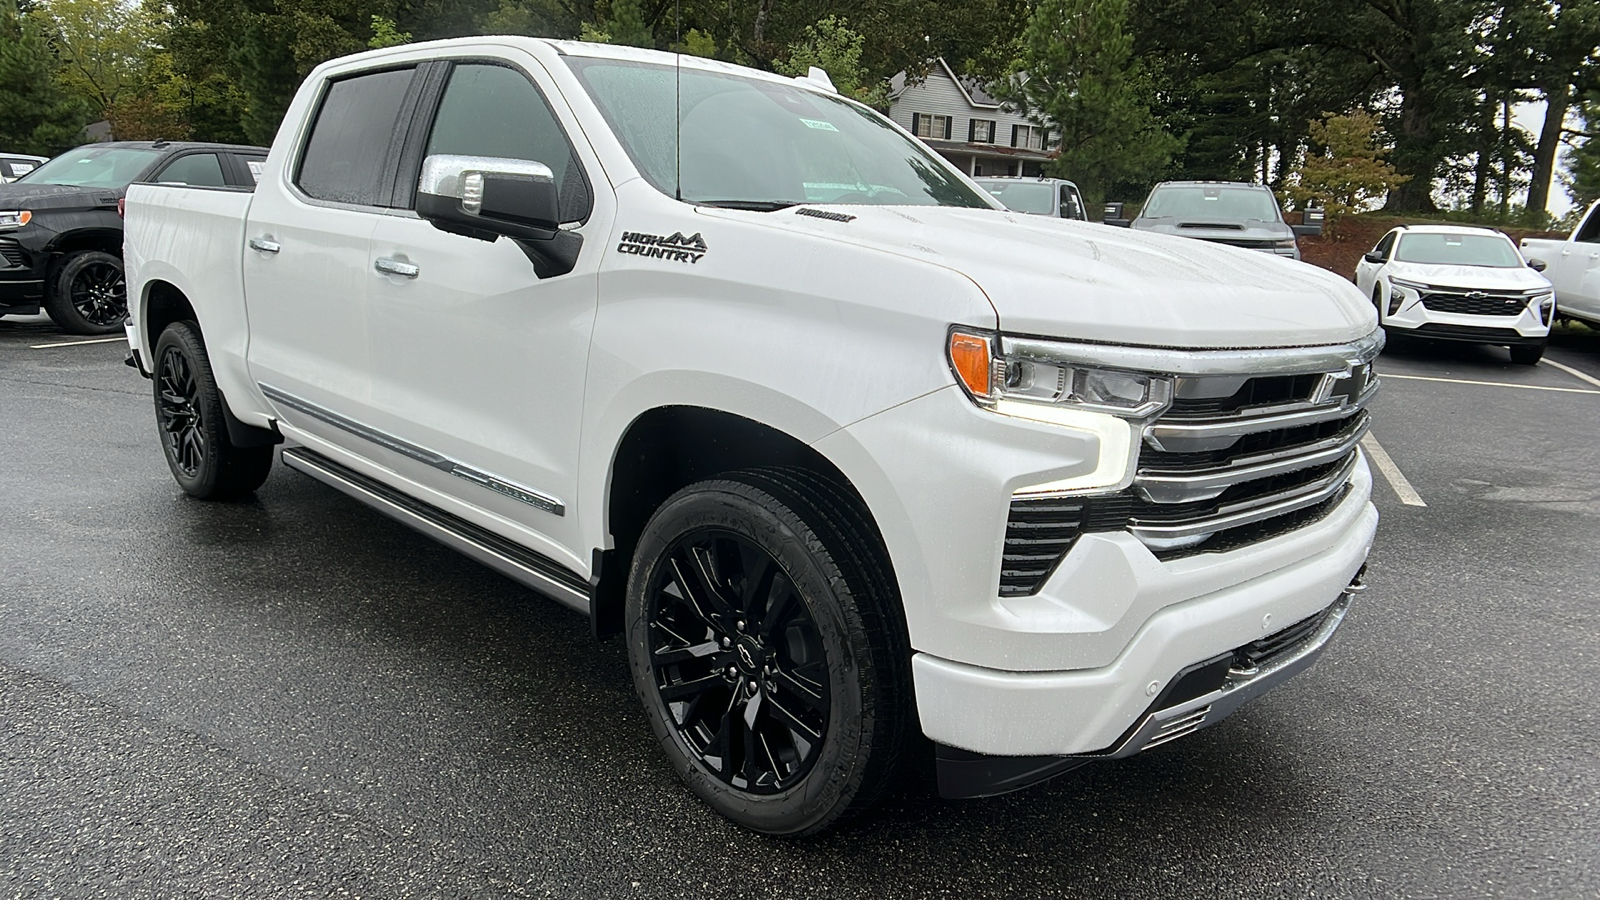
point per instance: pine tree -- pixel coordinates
(1077, 75)
(36, 116)
(627, 25)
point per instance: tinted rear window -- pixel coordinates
(344, 160)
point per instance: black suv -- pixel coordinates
(61, 232)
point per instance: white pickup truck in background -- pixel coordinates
(1573, 266)
(847, 453)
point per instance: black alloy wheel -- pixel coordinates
(738, 662)
(191, 416)
(179, 413)
(100, 293)
(768, 647)
(88, 294)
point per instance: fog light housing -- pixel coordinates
(1547, 309)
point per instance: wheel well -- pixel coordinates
(670, 448)
(164, 304)
(73, 241)
(106, 241)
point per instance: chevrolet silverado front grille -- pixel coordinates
(1233, 461)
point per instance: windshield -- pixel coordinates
(1023, 196)
(1492, 250)
(91, 166)
(1211, 202)
(758, 144)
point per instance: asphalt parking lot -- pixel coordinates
(296, 697)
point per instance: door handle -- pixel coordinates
(395, 267)
(265, 246)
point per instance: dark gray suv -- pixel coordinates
(1223, 212)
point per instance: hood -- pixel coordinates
(1217, 230)
(1483, 278)
(1086, 281)
(26, 195)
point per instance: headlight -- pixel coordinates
(15, 218)
(1416, 286)
(1289, 244)
(1044, 379)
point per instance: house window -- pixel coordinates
(981, 131)
(1028, 137)
(932, 127)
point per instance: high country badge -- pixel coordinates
(654, 246)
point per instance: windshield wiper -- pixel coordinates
(752, 205)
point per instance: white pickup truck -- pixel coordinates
(1573, 266)
(846, 452)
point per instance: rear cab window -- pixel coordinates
(194, 170)
(346, 156)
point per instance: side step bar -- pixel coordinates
(510, 559)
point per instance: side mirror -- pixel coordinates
(1374, 257)
(487, 197)
(1538, 265)
(1307, 230)
(1118, 223)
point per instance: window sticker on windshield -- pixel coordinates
(20, 169)
(820, 126)
(256, 165)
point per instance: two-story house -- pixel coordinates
(957, 118)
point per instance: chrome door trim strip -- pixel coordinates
(521, 493)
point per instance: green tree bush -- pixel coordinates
(833, 46)
(1348, 173)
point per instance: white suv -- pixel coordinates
(1457, 283)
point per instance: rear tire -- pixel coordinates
(89, 294)
(1527, 354)
(767, 646)
(191, 418)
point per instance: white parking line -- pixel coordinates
(77, 343)
(1573, 372)
(1402, 488)
(1527, 387)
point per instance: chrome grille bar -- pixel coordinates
(1163, 487)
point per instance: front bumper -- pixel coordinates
(1091, 710)
(1415, 319)
(1204, 694)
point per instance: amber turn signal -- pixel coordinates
(972, 360)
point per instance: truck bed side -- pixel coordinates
(190, 241)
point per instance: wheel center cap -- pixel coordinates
(749, 655)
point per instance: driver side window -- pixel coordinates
(1385, 246)
(490, 110)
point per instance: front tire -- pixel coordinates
(767, 647)
(89, 295)
(1527, 354)
(194, 432)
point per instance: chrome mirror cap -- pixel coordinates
(462, 177)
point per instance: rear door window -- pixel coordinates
(195, 170)
(347, 154)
